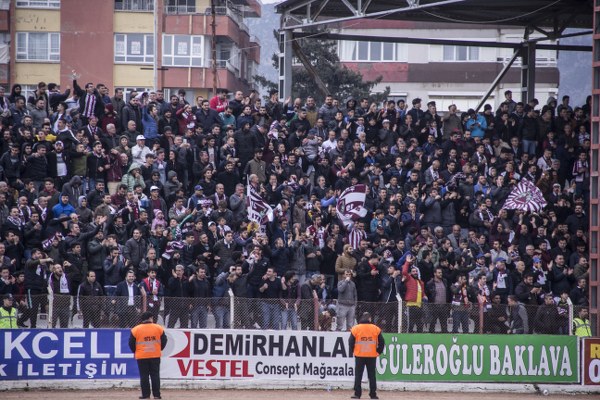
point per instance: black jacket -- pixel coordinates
(131, 113)
(11, 170)
(98, 108)
(35, 276)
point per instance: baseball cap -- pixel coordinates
(8, 296)
(537, 259)
(480, 255)
(385, 120)
(198, 187)
(140, 137)
(154, 188)
(58, 142)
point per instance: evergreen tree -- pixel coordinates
(341, 82)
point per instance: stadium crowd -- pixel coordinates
(115, 196)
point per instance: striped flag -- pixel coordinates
(526, 197)
(454, 180)
(351, 204)
(258, 210)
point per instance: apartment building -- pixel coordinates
(4, 41)
(116, 41)
(447, 74)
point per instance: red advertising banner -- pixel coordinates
(591, 361)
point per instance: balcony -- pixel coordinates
(229, 66)
(229, 10)
(231, 13)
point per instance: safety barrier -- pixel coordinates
(230, 312)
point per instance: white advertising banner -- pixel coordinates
(245, 354)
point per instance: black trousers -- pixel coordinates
(178, 312)
(149, 370)
(359, 367)
(91, 315)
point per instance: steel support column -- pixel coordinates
(594, 233)
(498, 79)
(285, 64)
(528, 72)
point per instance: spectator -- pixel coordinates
(220, 300)
(200, 291)
(546, 317)
(88, 303)
(290, 300)
(60, 287)
(127, 303)
(270, 292)
(518, 322)
(178, 289)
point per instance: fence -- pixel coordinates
(63, 311)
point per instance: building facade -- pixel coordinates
(447, 74)
(115, 42)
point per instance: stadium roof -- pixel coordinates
(552, 16)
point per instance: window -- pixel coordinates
(183, 51)
(372, 51)
(38, 3)
(180, 6)
(135, 48)
(134, 5)
(38, 46)
(461, 53)
(127, 91)
(28, 90)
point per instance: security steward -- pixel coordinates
(147, 340)
(8, 313)
(367, 343)
(581, 324)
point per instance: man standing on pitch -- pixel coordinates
(367, 343)
(147, 340)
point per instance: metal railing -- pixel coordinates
(180, 9)
(64, 311)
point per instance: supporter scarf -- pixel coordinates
(15, 221)
(63, 283)
(151, 285)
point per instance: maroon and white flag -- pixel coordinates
(350, 205)
(259, 211)
(526, 197)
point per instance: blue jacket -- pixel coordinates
(64, 209)
(477, 126)
(150, 125)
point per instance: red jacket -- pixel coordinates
(411, 284)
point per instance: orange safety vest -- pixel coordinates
(147, 340)
(365, 336)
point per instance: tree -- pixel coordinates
(341, 82)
